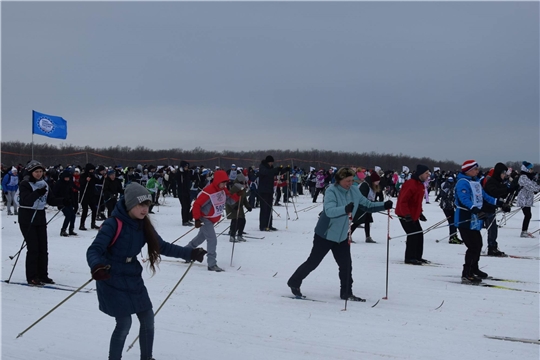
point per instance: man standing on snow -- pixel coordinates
(468, 218)
(183, 181)
(266, 192)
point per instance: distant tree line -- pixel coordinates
(16, 152)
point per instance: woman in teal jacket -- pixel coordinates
(118, 273)
(332, 232)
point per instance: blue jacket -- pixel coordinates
(124, 293)
(468, 194)
(10, 182)
(333, 223)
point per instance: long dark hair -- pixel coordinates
(152, 242)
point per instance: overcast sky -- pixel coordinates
(450, 81)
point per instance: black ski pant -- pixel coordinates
(317, 191)
(185, 204)
(473, 241)
(265, 215)
(450, 215)
(490, 223)
(527, 218)
(69, 218)
(237, 226)
(37, 256)
(342, 255)
(278, 195)
(415, 242)
(111, 204)
(88, 203)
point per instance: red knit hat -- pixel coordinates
(468, 165)
(374, 177)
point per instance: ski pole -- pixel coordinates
(294, 205)
(100, 194)
(22, 247)
(84, 192)
(349, 240)
(187, 232)
(54, 308)
(235, 228)
(387, 254)
(164, 301)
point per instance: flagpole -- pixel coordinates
(32, 135)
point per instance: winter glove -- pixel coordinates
(481, 215)
(408, 218)
(197, 254)
(388, 204)
(42, 191)
(475, 210)
(100, 272)
(500, 202)
(349, 208)
(249, 208)
(506, 208)
(422, 217)
(198, 223)
(238, 186)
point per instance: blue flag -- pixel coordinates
(49, 125)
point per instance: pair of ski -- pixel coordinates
(303, 297)
(52, 287)
(483, 284)
(515, 256)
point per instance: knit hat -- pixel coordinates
(526, 166)
(33, 165)
(64, 174)
(240, 178)
(343, 173)
(375, 177)
(111, 171)
(135, 194)
(420, 169)
(468, 165)
(183, 164)
(14, 170)
(233, 166)
(269, 159)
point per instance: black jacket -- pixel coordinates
(27, 199)
(266, 177)
(495, 187)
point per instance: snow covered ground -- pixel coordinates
(242, 313)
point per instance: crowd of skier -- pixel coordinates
(123, 197)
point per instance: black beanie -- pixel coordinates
(420, 169)
(269, 159)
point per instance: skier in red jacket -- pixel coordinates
(409, 210)
(207, 210)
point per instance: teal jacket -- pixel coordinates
(333, 223)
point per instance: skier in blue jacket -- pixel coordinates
(117, 271)
(469, 198)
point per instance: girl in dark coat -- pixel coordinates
(34, 194)
(113, 260)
